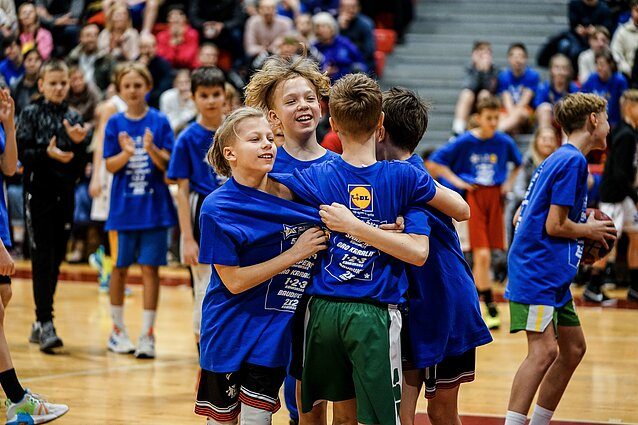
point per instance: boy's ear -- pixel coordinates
(40, 84)
(229, 154)
(273, 118)
(381, 118)
(333, 125)
(592, 122)
(381, 133)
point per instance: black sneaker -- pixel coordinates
(632, 295)
(36, 329)
(48, 338)
(593, 297)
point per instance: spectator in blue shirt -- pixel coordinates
(358, 28)
(11, 68)
(554, 89)
(608, 83)
(340, 55)
(317, 6)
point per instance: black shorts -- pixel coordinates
(220, 395)
(297, 327)
(451, 372)
(5, 280)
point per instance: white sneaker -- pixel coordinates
(119, 342)
(33, 409)
(145, 347)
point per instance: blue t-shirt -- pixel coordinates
(478, 161)
(541, 267)
(611, 90)
(546, 93)
(284, 163)
(507, 81)
(10, 73)
(139, 196)
(444, 316)
(242, 226)
(188, 160)
(375, 194)
(4, 215)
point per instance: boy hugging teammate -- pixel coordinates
(544, 257)
(352, 322)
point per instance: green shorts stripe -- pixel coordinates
(352, 350)
(536, 318)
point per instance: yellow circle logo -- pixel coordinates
(360, 197)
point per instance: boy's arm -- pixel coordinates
(440, 170)
(450, 203)
(559, 225)
(7, 266)
(118, 160)
(159, 156)
(105, 112)
(409, 248)
(508, 102)
(526, 97)
(9, 158)
(239, 279)
(508, 186)
(190, 250)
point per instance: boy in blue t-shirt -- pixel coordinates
(195, 178)
(608, 83)
(543, 260)
(477, 162)
(517, 86)
(554, 89)
(353, 313)
(443, 324)
(137, 146)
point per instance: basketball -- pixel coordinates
(594, 250)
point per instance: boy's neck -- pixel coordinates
(358, 152)
(304, 150)
(581, 139)
(136, 111)
(395, 153)
(479, 133)
(517, 73)
(255, 181)
(210, 122)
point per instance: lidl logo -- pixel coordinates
(493, 158)
(360, 197)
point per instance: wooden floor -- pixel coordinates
(105, 388)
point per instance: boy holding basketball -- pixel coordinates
(544, 257)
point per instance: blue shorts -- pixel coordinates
(146, 247)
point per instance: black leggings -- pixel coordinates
(49, 219)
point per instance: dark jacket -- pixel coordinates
(361, 33)
(229, 12)
(581, 14)
(621, 165)
(36, 125)
(163, 76)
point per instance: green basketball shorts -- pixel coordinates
(536, 318)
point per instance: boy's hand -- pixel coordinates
(309, 243)
(506, 188)
(7, 266)
(190, 251)
(396, 227)
(77, 133)
(95, 186)
(601, 231)
(126, 143)
(148, 140)
(7, 108)
(59, 155)
(338, 218)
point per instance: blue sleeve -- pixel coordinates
(167, 139)
(502, 82)
(179, 165)
(514, 155)
(3, 140)
(302, 184)
(417, 221)
(534, 80)
(564, 188)
(445, 155)
(541, 96)
(111, 144)
(215, 244)
(424, 187)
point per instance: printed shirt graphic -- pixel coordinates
(242, 226)
(375, 194)
(541, 267)
(139, 196)
(444, 317)
(515, 85)
(285, 163)
(4, 215)
(478, 161)
(188, 160)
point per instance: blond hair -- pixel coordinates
(533, 148)
(571, 112)
(127, 67)
(630, 95)
(261, 88)
(356, 104)
(226, 135)
(111, 12)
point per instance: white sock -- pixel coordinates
(117, 314)
(148, 321)
(211, 421)
(252, 416)
(458, 126)
(515, 418)
(541, 416)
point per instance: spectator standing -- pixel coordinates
(481, 80)
(358, 28)
(340, 55)
(61, 17)
(221, 22)
(179, 43)
(177, 103)
(598, 41)
(160, 68)
(608, 83)
(31, 33)
(551, 91)
(26, 87)
(625, 42)
(119, 38)
(12, 67)
(97, 66)
(264, 29)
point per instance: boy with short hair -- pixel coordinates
(52, 143)
(477, 162)
(516, 86)
(544, 257)
(443, 326)
(195, 178)
(12, 68)
(360, 284)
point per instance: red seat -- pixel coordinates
(379, 60)
(386, 39)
